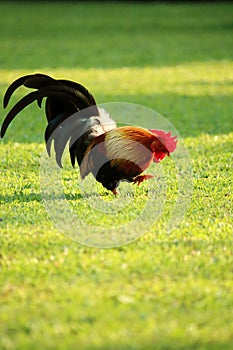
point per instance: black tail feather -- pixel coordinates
(11, 89)
(64, 98)
(58, 92)
(38, 80)
(34, 81)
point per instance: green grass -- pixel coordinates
(166, 290)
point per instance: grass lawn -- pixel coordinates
(166, 290)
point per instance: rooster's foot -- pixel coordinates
(141, 178)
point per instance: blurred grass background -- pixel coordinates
(163, 291)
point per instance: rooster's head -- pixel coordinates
(163, 145)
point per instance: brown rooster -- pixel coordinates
(111, 154)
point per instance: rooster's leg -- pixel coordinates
(114, 192)
(140, 178)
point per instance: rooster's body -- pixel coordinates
(111, 154)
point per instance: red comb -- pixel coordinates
(166, 138)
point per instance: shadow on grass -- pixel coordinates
(130, 35)
(37, 197)
(21, 197)
(165, 342)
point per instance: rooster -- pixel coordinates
(112, 154)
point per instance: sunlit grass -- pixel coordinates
(213, 78)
